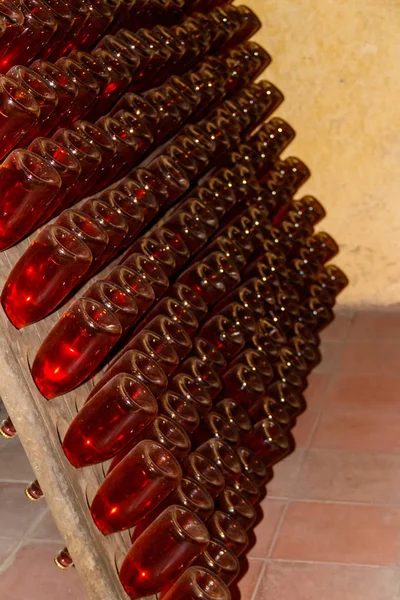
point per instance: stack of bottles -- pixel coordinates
(149, 160)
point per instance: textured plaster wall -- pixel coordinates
(338, 64)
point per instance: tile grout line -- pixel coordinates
(335, 563)
(328, 391)
(10, 559)
(278, 530)
(260, 578)
(398, 591)
(337, 502)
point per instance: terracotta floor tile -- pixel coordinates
(14, 465)
(370, 358)
(41, 579)
(345, 477)
(331, 353)
(357, 431)
(7, 546)
(299, 581)
(285, 475)
(364, 391)
(317, 392)
(265, 531)
(375, 325)
(46, 529)
(339, 328)
(323, 532)
(248, 583)
(304, 428)
(17, 514)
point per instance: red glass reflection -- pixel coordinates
(44, 275)
(137, 485)
(109, 421)
(149, 568)
(74, 347)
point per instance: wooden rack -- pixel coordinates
(41, 424)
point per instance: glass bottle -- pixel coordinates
(204, 214)
(175, 244)
(107, 148)
(137, 194)
(19, 112)
(204, 373)
(173, 333)
(80, 13)
(100, 17)
(150, 271)
(65, 19)
(224, 334)
(7, 429)
(202, 469)
(116, 299)
(157, 347)
(13, 21)
(246, 485)
(269, 442)
(137, 128)
(65, 163)
(133, 212)
(63, 559)
(112, 222)
(216, 426)
(221, 560)
(224, 457)
(109, 421)
(258, 363)
(253, 466)
(181, 537)
(190, 299)
(45, 97)
(176, 311)
(168, 433)
(137, 105)
(74, 347)
(127, 143)
(138, 365)
(231, 502)
(171, 175)
(193, 391)
(88, 87)
(228, 531)
(208, 354)
(156, 251)
(176, 407)
(235, 414)
(243, 384)
(38, 28)
(89, 158)
(88, 230)
(205, 281)
(197, 583)
(134, 284)
(270, 408)
(29, 184)
(44, 275)
(66, 90)
(134, 487)
(241, 315)
(291, 399)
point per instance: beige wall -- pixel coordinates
(338, 64)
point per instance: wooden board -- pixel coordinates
(41, 424)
